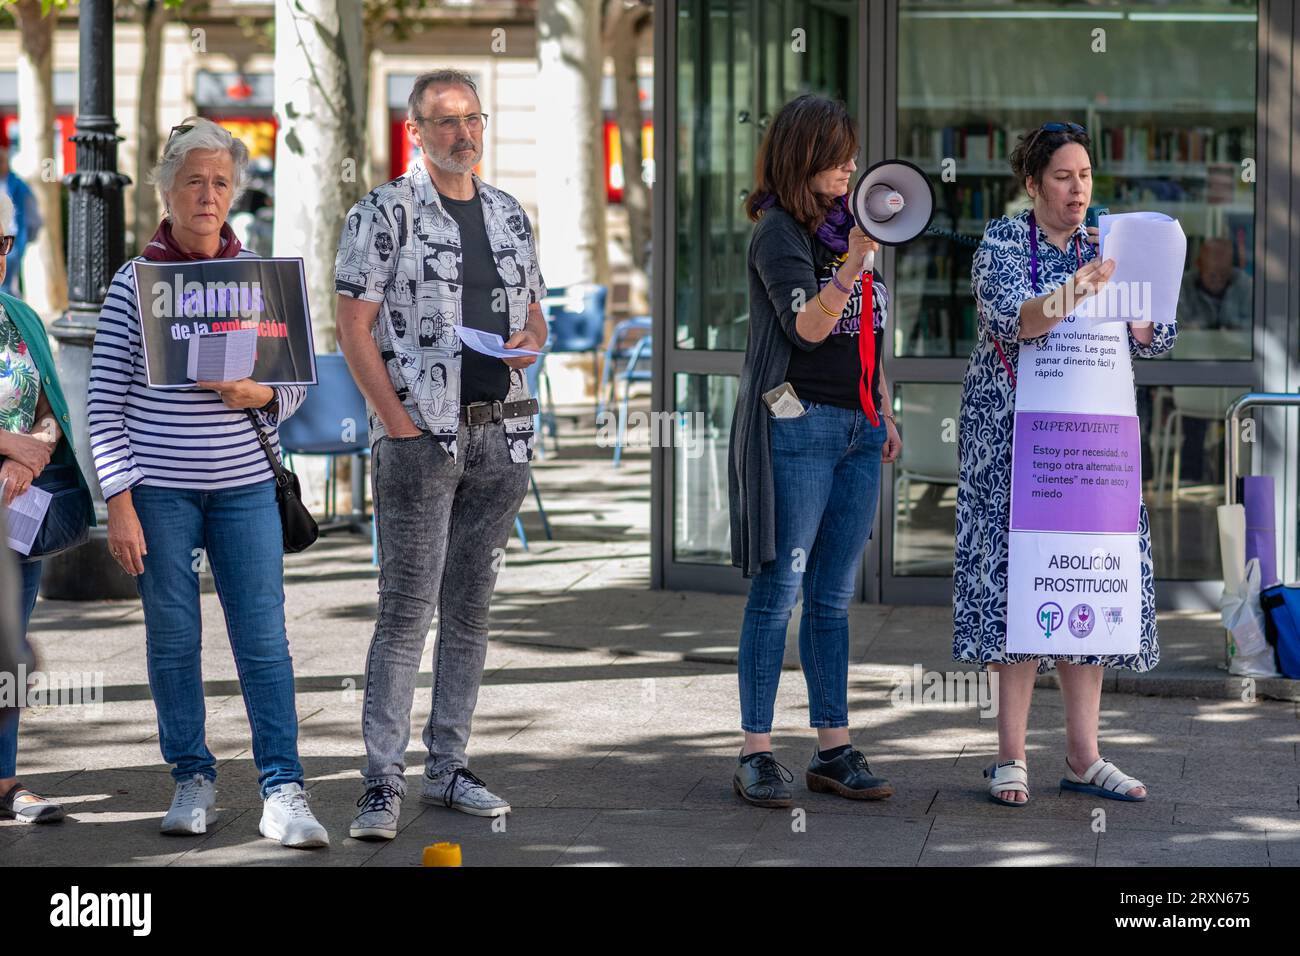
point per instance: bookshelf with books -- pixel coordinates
(1191, 170)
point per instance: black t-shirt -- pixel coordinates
(482, 377)
(830, 372)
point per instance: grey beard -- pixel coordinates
(449, 165)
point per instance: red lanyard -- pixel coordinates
(867, 348)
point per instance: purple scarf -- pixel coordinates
(834, 231)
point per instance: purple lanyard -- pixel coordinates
(1033, 252)
(1033, 274)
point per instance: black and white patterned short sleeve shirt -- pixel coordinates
(400, 248)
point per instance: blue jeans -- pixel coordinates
(31, 577)
(826, 478)
(239, 528)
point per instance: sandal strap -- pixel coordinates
(1010, 775)
(1106, 775)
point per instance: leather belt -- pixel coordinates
(481, 413)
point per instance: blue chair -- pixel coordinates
(576, 316)
(638, 370)
(621, 341)
(333, 422)
(534, 375)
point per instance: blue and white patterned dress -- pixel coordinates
(1000, 282)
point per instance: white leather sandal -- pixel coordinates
(1103, 779)
(1009, 775)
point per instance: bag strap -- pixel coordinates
(280, 477)
(1005, 364)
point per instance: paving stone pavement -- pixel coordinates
(608, 717)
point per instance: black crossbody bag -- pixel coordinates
(299, 527)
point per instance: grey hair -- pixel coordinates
(8, 215)
(204, 134)
(445, 77)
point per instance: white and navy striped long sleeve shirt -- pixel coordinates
(174, 439)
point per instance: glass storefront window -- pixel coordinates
(738, 61)
(701, 439)
(925, 478)
(1168, 97)
(1182, 477)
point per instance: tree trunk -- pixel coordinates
(570, 170)
(45, 277)
(147, 147)
(319, 90)
(625, 26)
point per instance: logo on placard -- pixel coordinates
(1082, 620)
(1113, 616)
(1050, 616)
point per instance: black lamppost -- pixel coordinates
(96, 248)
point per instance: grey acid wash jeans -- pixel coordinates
(442, 527)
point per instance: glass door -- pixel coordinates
(734, 63)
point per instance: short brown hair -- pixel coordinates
(809, 135)
(446, 77)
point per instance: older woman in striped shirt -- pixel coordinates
(185, 477)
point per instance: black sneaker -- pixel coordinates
(760, 780)
(847, 775)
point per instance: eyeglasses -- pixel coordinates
(474, 122)
(7, 244)
(1053, 128)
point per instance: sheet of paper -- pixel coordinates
(222, 356)
(24, 516)
(1149, 249)
(489, 343)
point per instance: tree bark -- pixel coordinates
(319, 102)
(45, 278)
(570, 171)
(154, 16)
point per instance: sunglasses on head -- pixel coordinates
(179, 130)
(1055, 128)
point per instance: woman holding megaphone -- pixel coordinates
(808, 436)
(1028, 274)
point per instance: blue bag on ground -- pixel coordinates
(1281, 604)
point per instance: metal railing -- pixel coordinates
(1231, 450)
(1232, 438)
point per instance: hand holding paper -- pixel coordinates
(24, 516)
(489, 343)
(1149, 250)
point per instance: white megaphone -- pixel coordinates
(892, 203)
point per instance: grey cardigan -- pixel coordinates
(780, 262)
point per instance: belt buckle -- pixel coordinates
(498, 411)
(473, 412)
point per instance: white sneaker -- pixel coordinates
(194, 807)
(287, 817)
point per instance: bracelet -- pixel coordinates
(818, 299)
(835, 280)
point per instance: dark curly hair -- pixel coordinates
(1033, 152)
